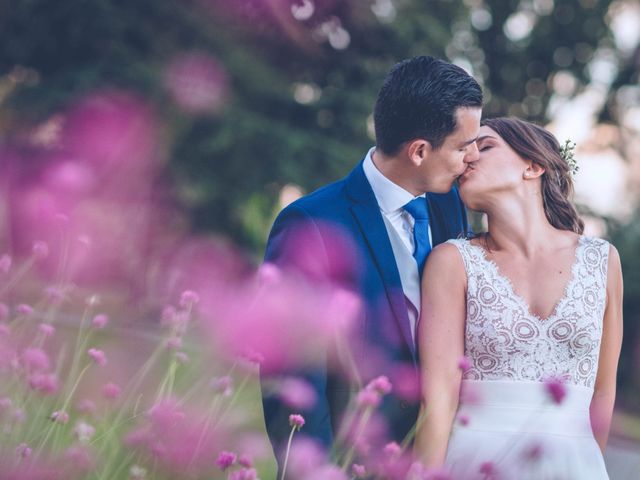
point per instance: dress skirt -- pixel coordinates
(516, 430)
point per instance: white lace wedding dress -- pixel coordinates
(508, 425)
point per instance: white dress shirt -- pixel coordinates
(391, 199)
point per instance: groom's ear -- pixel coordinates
(418, 150)
(533, 170)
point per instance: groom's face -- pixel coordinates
(443, 166)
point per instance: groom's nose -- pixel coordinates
(472, 153)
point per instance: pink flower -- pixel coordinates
(24, 309)
(328, 472)
(5, 263)
(35, 359)
(305, 457)
(225, 460)
(86, 406)
(197, 82)
(392, 449)
(464, 364)
(556, 389)
(381, 385)
(111, 391)
(222, 385)
(97, 356)
(297, 393)
(188, 299)
(245, 460)
(358, 471)
(244, 474)
(59, 416)
(488, 469)
(368, 399)
(100, 321)
(47, 329)
(533, 453)
(40, 250)
(296, 421)
(44, 383)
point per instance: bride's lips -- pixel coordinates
(465, 174)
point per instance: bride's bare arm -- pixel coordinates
(441, 344)
(604, 394)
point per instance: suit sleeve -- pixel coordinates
(281, 251)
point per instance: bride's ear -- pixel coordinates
(418, 150)
(533, 170)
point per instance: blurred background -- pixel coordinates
(206, 117)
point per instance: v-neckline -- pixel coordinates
(520, 299)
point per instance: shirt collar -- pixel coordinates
(390, 196)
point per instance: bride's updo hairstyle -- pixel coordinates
(539, 146)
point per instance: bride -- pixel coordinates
(521, 332)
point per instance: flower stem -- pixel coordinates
(286, 455)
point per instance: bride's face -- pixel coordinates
(498, 169)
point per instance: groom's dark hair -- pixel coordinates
(419, 99)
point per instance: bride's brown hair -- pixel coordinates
(539, 146)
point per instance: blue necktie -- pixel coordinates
(417, 208)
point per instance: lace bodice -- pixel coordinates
(505, 341)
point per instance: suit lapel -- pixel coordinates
(366, 211)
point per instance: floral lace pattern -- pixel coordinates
(505, 341)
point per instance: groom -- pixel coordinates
(395, 206)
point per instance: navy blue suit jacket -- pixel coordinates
(350, 205)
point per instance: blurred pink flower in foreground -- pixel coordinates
(556, 389)
(225, 460)
(297, 393)
(97, 356)
(180, 442)
(283, 316)
(296, 421)
(196, 82)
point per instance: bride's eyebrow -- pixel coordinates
(485, 137)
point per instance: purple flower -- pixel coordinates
(296, 421)
(463, 420)
(488, 469)
(97, 356)
(225, 460)
(556, 389)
